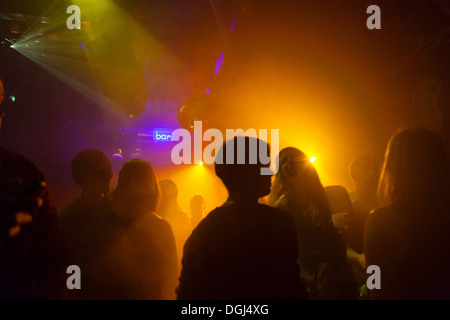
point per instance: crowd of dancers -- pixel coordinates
(285, 236)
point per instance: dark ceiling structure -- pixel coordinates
(194, 33)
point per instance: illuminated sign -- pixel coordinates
(162, 135)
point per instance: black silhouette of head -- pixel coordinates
(92, 169)
(243, 181)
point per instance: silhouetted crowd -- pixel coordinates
(280, 237)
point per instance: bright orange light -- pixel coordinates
(312, 159)
(195, 179)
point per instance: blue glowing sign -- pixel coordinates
(162, 135)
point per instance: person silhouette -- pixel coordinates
(170, 210)
(364, 173)
(33, 257)
(85, 222)
(242, 249)
(92, 171)
(408, 238)
(142, 259)
(198, 207)
(322, 252)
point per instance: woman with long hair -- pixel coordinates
(322, 252)
(142, 257)
(408, 237)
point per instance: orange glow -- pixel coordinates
(197, 179)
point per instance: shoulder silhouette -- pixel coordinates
(242, 250)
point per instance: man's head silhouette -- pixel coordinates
(243, 181)
(92, 171)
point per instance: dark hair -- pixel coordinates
(415, 169)
(235, 175)
(292, 162)
(361, 169)
(137, 187)
(90, 163)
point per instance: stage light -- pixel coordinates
(5, 42)
(200, 164)
(13, 98)
(117, 155)
(219, 64)
(233, 24)
(312, 159)
(17, 27)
